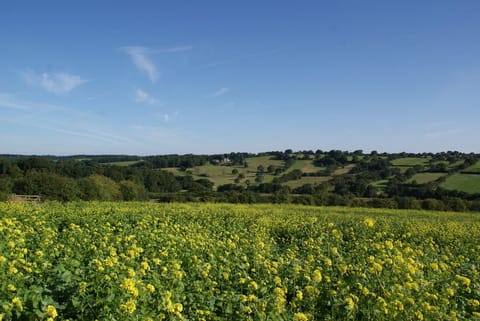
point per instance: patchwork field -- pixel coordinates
(308, 180)
(145, 261)
(468, 183)
(423, 178)
(474, 168)
(410, 161)
(306, 166)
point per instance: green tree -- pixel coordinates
(132, 191)
(48, 185)
(99, 187)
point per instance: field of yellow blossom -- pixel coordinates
(145, 261)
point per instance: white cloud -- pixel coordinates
(169, 117)
(143, 97)
(220, 92)
(141, 58)
(55, 82)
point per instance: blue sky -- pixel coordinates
(158, 77)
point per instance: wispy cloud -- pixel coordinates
(60, 119)
(169, 117)
(141, 58)
(220, 92)
(8, 101)
(172, 49)
(55, 82)
(144, 97)
(142, 61)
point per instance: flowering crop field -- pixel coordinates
(145, 261)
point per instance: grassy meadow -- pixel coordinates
(427, 177)
(469, 183)
(410, 161)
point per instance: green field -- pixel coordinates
(468, 183)
(410, 161)
(343, 170)
(306, 166)
(219, 174)
(307, 180)
(123, 163)
(265, 161)
(474, 168)
(381, 184)
(146, 261)
(222, 174)
(423, 178)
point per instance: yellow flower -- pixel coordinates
(369, 222)
(337, 233)
(463, 279)
(299, 316)
(129, 286)
(389, 244)
(317, 276)
(150, 288)
(365, 291)
(299, 295)
(419, 315)
(279, 299)
(145, 265)
(377, 267)
(11, 288)
(17, 303)
(277, 280)
(51, 311)
(129, 307)
(450, 292)
(178, 307)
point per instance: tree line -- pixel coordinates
(84, 177)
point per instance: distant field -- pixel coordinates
(254, 162)
(423, 178)
(474, 168)
(307, 180)
(221, 175)
(306, 166)
(457, 163)
(123, 163)
(469, 183)
(343, 170)
(381, 184)
(410, 161)
(402, 169)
